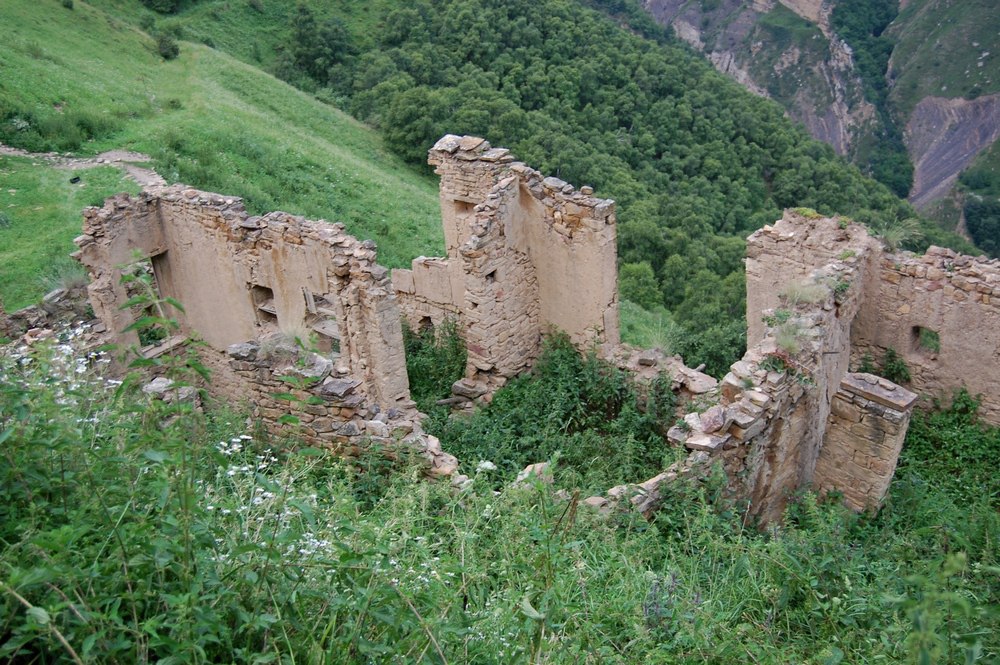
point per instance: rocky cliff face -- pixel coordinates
(945, 64)
(943, 136)
(785, 51)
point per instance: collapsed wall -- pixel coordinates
(256, 290)
(789, 414)
(526, 254)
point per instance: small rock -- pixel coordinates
(648, 358)
(54, 296)
(317, 369)
(540, 470)
(554, 183)
(466, 389)
(714, 419)
(244, 351)
(158, 387)
(338, 387)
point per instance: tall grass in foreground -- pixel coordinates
(137, 531)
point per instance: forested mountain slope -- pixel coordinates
(906, 90)
(694, 161)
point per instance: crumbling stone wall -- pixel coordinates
(525, 253)
(249, 286)
(867, 424)
(941, 313)
(786, 254)
(772, 418)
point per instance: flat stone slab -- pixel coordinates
(706, 442)
(879, 390)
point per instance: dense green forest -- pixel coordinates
(695, 162)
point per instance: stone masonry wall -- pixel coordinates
(865, 431)
(956, 299)
(525, 253)
(251, 285)
(800, 243)
(769, 427)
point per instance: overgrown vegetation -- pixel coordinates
(894, 367)
(982, 219)
(579, 409)
(435, 359)
(134, 530)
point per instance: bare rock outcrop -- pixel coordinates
(943, 136)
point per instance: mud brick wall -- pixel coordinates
(865, 431)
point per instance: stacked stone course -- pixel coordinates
(957, 298)
(865, 431)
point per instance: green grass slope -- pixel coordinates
(944, 49)
(39, 217)
(86, 81)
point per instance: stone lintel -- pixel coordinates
(879, 390)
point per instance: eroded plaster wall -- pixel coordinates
(251, 285)
(525, 254)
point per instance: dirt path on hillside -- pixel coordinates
(128, 161)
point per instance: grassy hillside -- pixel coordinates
(39, 217)
(85, 81)
(944, 49)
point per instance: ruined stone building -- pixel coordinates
(526, 254)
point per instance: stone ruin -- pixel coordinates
(526, 254)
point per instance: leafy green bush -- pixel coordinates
(435, 359)
(894, 367)
(41, 130)
(166, 46)
(580, 408)
(982, 216)
(952, 449)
